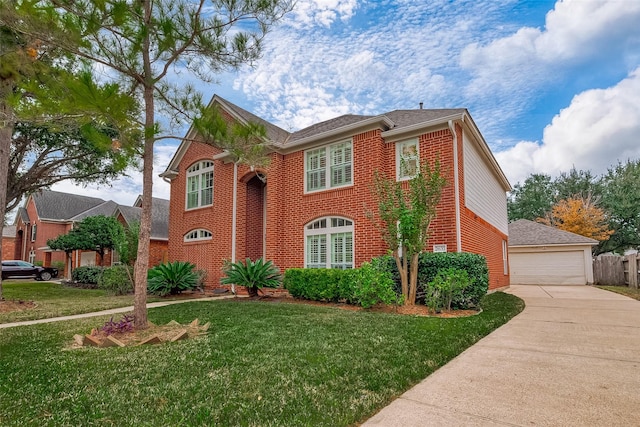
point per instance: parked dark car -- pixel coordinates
(23, 269)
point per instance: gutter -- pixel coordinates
(456, 186)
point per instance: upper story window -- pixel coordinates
(34, 232)
(329, 243)
(329, 167)
(200, 184)
(407, 159)
(199, 234)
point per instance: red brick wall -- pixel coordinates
(8, 248)
(289, 209)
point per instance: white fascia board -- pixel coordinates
(551, 245)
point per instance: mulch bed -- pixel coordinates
(8, 306)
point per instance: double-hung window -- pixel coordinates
(407, 159)
(329, 167)
(329, 243)
(200, 184)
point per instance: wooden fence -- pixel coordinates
(616, 270)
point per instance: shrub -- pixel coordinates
(87, 274)
(116, 280)
(59, 265)
(372, 286)
(448, 285)
(429, 264)
(365, 286)
(253, 275)
(171, 278)
(111, 327)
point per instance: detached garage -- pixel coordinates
(543, 255)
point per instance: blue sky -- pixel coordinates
(550, 85)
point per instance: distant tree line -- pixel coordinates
(605, 208)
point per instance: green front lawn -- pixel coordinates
(54, 299)
(261, 364)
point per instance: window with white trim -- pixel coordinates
(32, 257)
(34, 232)
(329, 167)
(329, 243)
(407, 159)
(199, 234)
(200, 184)
(505, 260)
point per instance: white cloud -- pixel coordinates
(574, 31)
(323, 13)
(599, 128)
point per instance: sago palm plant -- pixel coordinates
(172, 278)
(253, 275)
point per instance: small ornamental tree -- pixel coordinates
(406, 213)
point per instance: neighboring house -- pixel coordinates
(310, 207)
(8, 242)
(544, 255)
(159, 242)
(48, 214)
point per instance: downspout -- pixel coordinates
(456, 186)
(233, 219)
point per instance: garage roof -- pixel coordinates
(528, 233)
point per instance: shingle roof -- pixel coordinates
(106, 208)
(23, 215)
(62, 206)
(528, 233)
(274, 133)
(159, 217)
(403, 118)
(327, 125)
(9, 231)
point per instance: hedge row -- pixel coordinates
(429, 264)
(365, 286)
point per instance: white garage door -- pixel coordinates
(547, 268)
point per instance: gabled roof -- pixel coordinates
(57, 206)
(159, 217)
(528, 233)
(393, 124)
(23, 215)
(106, 208)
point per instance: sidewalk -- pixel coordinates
(107, 312)
(571, 358)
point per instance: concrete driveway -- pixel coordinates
(571, 358)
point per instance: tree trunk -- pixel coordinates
(413, 279)
(401, 263)
(142, 261)
(7, 121)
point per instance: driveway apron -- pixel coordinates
(571, 358)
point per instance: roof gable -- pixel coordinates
(54, 205)
(529, 233)
(159, 217)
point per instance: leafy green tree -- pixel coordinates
(94, 233)
(578, 184)
(66, 243)
(42, 156)
(621, 199)
(40, 84)
(143, 42)
(406, 216)
(531, 200)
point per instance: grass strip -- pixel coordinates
(266, 364)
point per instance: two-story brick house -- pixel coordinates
(309, 207)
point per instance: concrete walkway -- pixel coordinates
(571, 358)
(110, 311)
